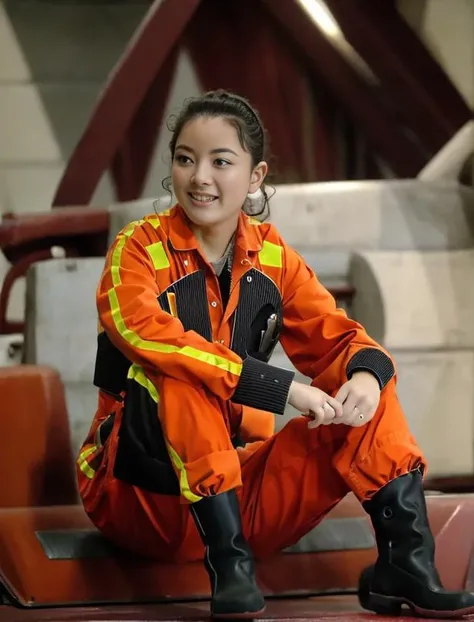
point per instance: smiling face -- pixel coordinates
(212, 173)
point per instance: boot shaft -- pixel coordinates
(405, 572)
(219, 523)
(228, 559)
(402, 531)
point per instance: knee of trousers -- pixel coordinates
(196, 430)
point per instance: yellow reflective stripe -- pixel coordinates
(271, 255)
(158, 255)
(136, 373)
(82, 461)
(183, 478)
(87, 470)
(152, 346)
(154, 221)
(254, 221)
(117, 254)
(86, 453)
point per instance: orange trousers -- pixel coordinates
(287, 483)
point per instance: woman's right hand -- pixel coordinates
(314, 403)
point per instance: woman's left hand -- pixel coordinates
(360, 397)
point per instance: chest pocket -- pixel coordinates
(186, 299)
(258, 317)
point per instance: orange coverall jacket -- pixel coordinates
(182, 353)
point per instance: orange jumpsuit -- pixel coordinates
(186, 400)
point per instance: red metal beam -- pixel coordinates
(421, 91)
(131, 162)
(381, 127)
(128, 85)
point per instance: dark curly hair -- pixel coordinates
(237, 111)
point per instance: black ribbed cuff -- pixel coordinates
(374, 361)
(263, 386)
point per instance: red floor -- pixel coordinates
(332, 608)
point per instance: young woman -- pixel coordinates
(182, 458)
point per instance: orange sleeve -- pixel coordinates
(131, 315)
(321, 341)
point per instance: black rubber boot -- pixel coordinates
(404, 572)
(228, 559)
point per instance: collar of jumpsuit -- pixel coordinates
(248, 242)
(247, 238)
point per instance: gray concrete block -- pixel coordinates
(61, 316)
(436, 391)
(415, 300)
(388, 214)
(81, 401)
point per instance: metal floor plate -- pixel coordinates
(328, 608)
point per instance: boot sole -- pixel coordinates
(247, 615)
(392, 605)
